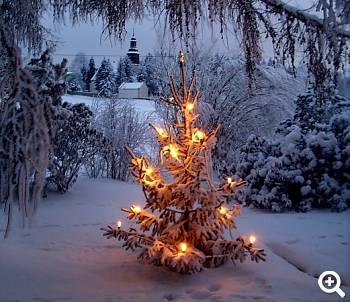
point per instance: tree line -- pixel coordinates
(105, 80)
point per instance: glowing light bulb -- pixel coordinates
(190, 106)
(148, 171)
(136, 209)
(222, 210)
(198, 135)
(161, 132)
(252, 239)
(173, 150)
(183, 247)
(229, 180)
(119, 224)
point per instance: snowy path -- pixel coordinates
(63, 257)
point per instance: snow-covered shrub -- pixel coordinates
(306, 167)
(74, 85)
(74, 143)
(122, 126)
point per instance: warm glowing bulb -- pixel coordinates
(171, 99)
(136, 209)
(148, 171)
(161, 132)
(173, 151)
(229, 180)
(119, 224)
(252, 239)
(198, 136)
(222, 210)
(183, 247)
(189, 106)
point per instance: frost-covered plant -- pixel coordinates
(122, 126)
(182, 225)
(74, 143)
(28, 99)
(306, 167)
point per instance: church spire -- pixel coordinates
(133, 52)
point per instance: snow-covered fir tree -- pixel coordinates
(124, 71)
(90, 73)
(105, 80)
(182, 225)
(147, 73)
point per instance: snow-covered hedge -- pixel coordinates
(308, 166)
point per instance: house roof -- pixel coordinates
(131, 85)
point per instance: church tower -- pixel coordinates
(133, 52)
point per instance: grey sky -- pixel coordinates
(87, 38)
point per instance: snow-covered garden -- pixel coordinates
(63, 257)
(182, 174)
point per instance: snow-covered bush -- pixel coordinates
(306, 167)
(122, 126)
(74, 143)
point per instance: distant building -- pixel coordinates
(136, 90)
(133, 52)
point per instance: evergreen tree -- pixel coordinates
(147, 74)
(90, 73)
(83, 73)
(105, 81)
(124, 71)
(185, 227)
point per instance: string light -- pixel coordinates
(173, 151)
(198, 136)
(190, 106)
(223, 210)
(136, 209)
(252, 239)
(148, 171)
(119, 224)
(229, 180)
(161, 132)
(183, 247)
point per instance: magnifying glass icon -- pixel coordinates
(329, 282)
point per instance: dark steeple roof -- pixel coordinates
(133, 52)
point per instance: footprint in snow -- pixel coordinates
(344, 243)
(322, 236)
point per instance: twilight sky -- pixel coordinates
(87, 38)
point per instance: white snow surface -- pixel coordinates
(62, 255)
(141, 105)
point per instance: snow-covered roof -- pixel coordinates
(131, 85)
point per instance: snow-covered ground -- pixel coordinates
(140, 105)
(62, 255)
